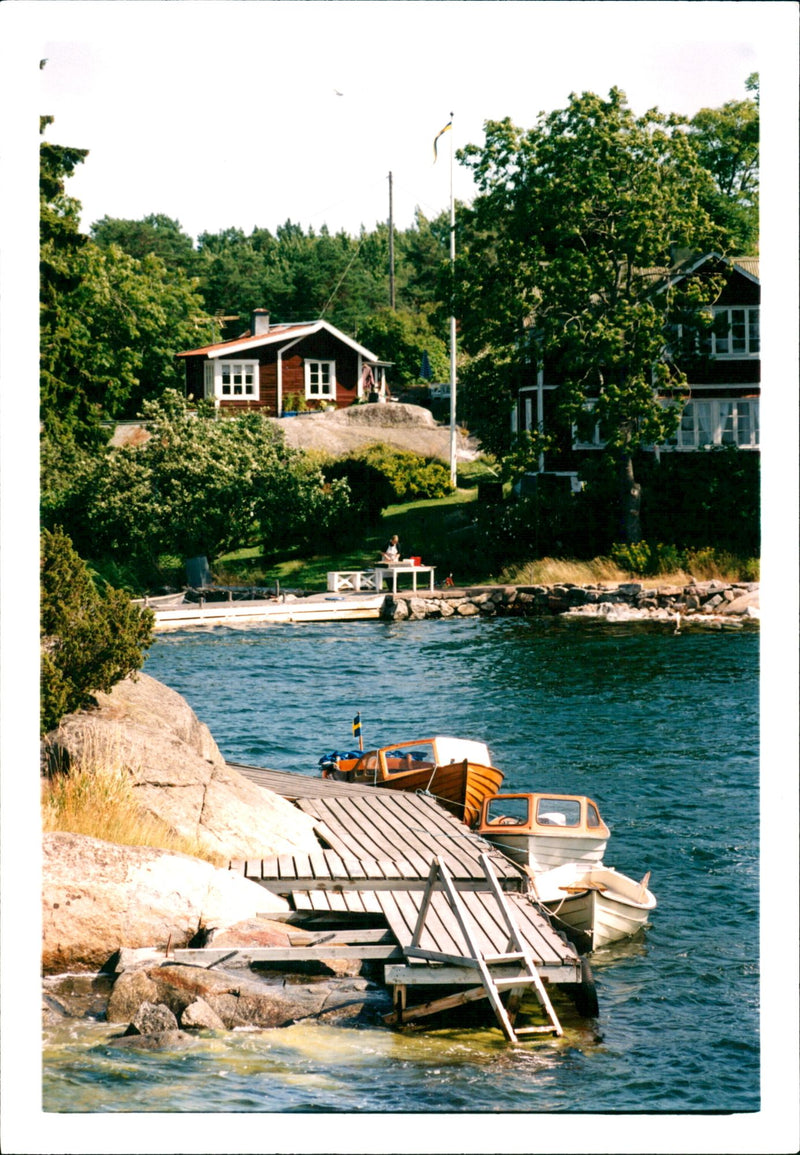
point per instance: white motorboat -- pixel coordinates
(542, 831)
(560, 840)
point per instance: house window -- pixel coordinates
(208, 379)
(587, 433)
(320, 379)
(237, 379)
(726, 422)
(736, 333)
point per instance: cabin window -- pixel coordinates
(558, 812)
(320, 379)
(508, 812)
(232, 379)
(592, 817)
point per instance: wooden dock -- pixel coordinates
(314, 608)
(447, 909)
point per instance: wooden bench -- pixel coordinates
(352, 579)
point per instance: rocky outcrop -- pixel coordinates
(405, 427)
(194, 997)
(178, 772)
(710, 603)
(98, 897)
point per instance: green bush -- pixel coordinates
(646, 559)
(695, 499)
(379, 475)
(412, 477)
(90, 638)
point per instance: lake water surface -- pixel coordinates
(660, 729)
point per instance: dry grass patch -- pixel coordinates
(696, 565)
(97, 798)
(549, 571)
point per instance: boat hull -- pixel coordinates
(545, 853)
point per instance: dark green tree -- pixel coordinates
(154, 235)
(402, 336)
(203, 486)
(728, 140)
(572, 218)
(90, 638)
(110, 324)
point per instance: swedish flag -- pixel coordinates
(446, 128)
(357, 726)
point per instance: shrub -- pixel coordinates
(412, 477)
(646, 559)
(379, 476)
(91, 638)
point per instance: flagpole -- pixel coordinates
(452, 320)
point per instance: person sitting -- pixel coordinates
(391, 555)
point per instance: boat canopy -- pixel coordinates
(572, 815)
(457, 749)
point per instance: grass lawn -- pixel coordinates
(425, 529)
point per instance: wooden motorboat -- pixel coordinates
(456, 771)
(560, 840)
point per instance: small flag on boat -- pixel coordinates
(357, 726)
(446, 128)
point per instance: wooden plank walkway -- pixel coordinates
(378, 848)
(295, 786)
(399, 826)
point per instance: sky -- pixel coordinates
(244, 114)
(222, 113)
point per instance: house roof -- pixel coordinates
(747, 266)
(276, 335)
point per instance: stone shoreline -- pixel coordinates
(707, 603)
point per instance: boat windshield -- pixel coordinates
(419, 756)
(508, 811)
(558, 812)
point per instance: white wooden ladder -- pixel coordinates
(515, 952)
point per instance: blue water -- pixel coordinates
(661, 730)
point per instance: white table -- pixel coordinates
(383, 573)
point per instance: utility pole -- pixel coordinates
(391, 247)
(453, 470)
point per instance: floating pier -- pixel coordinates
(451, 915)
(282, 608)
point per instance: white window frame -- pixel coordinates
(597, 442)
(743, 326)
(221, 382)
(704, 423)
(718, 421)
(320, 377)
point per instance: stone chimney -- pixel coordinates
(259, 322)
